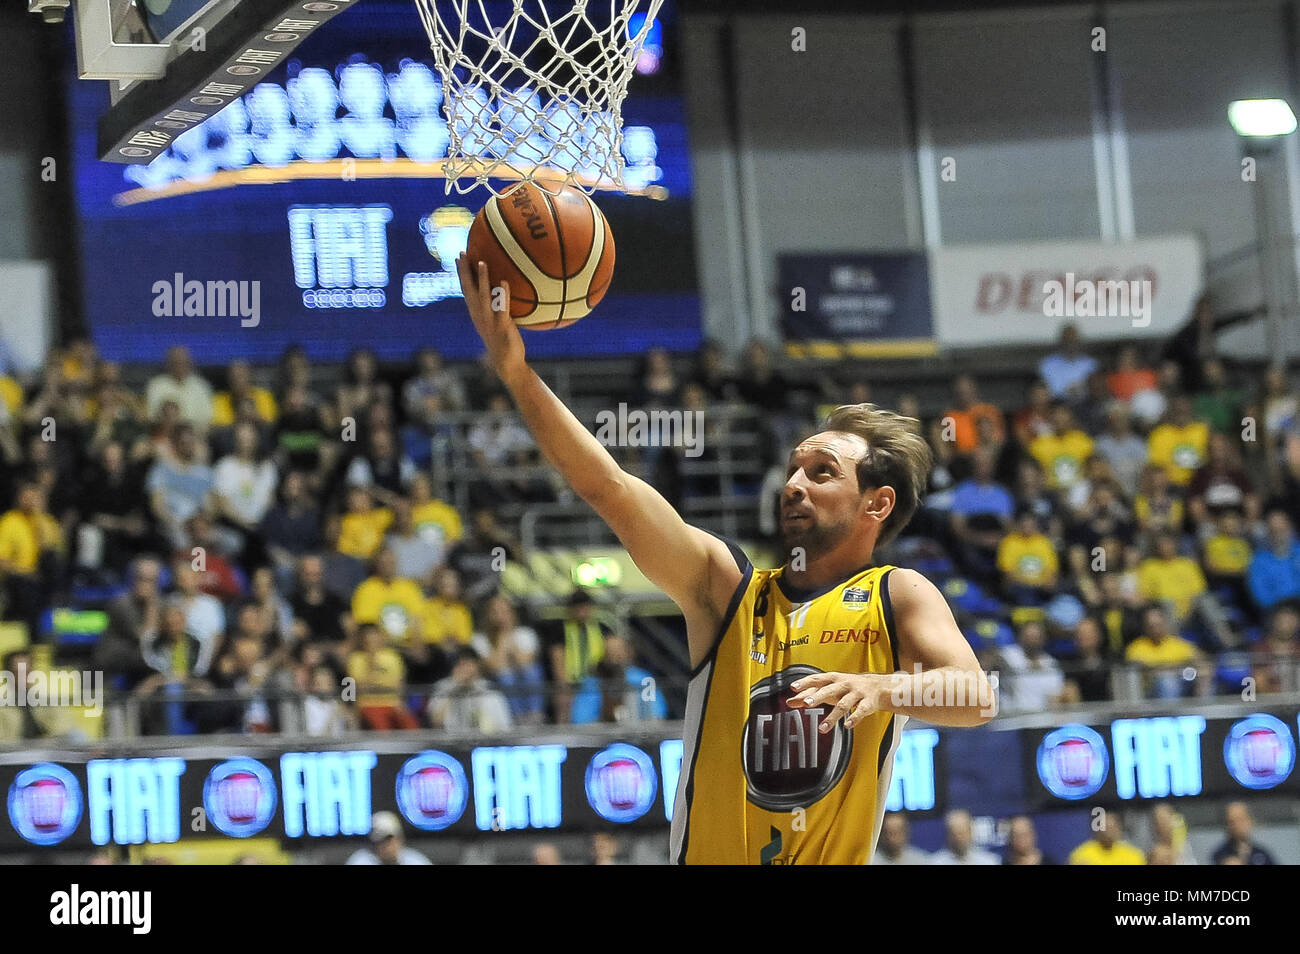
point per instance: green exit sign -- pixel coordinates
(599, 571)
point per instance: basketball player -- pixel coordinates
(801, 676)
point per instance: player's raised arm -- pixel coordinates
(694, 568)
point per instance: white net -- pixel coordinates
(534, 89)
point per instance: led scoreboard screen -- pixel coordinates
(303, 213)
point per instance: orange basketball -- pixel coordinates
(556, 253)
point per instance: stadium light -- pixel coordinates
(1261, 118)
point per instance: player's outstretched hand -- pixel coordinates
(494, 325)
(854, 695)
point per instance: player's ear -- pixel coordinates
(880, 502)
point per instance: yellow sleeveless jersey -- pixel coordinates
(759, 783)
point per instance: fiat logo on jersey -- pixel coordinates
(432, 790)
(788, 763)
(1073, 762)
(45, 803)
(621, 783)
(1259, 751)
(239, 797)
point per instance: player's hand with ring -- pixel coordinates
(855, 696)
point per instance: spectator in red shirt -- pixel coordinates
(1129, 376)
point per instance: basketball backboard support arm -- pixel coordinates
(100, 57)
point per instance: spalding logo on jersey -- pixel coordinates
(788, 763)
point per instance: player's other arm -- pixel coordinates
(694, 568)
(938, 681)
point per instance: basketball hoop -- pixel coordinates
(536, 97)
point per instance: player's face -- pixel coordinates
(821, 501)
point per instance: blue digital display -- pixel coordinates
(134, 801)
(1158, 757)
(326, 793)
(518, 787)
(912, 787)
(315, 190)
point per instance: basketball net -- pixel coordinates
(538, 96)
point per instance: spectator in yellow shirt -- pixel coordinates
(1107, 847)
(1226, 555)
(380, 679)
(1169, 578)
(30, 542)
(1163, 656)
(1063, 451)
(1027, 560)
(1179, 445)
(239, 381)
(1157, 506)
(396, 605)
(435, 521)
(362, 528)
(447, 620)
(1177, 582)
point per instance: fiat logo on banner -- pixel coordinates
(1073, 762)
(45, 803)
(1259, 751)
(239, 797)
(432, 790)
(621, 783)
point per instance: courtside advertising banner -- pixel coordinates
(1015, 294)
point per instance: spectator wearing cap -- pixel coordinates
(1239, 847)
(1274, 574)
(467, 702)
(895, 846)
(387, 844)
(1066, 370)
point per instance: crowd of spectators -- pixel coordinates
(249, 545)
(1129, 528)
(1167, 842)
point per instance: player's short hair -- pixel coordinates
(897, 456)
